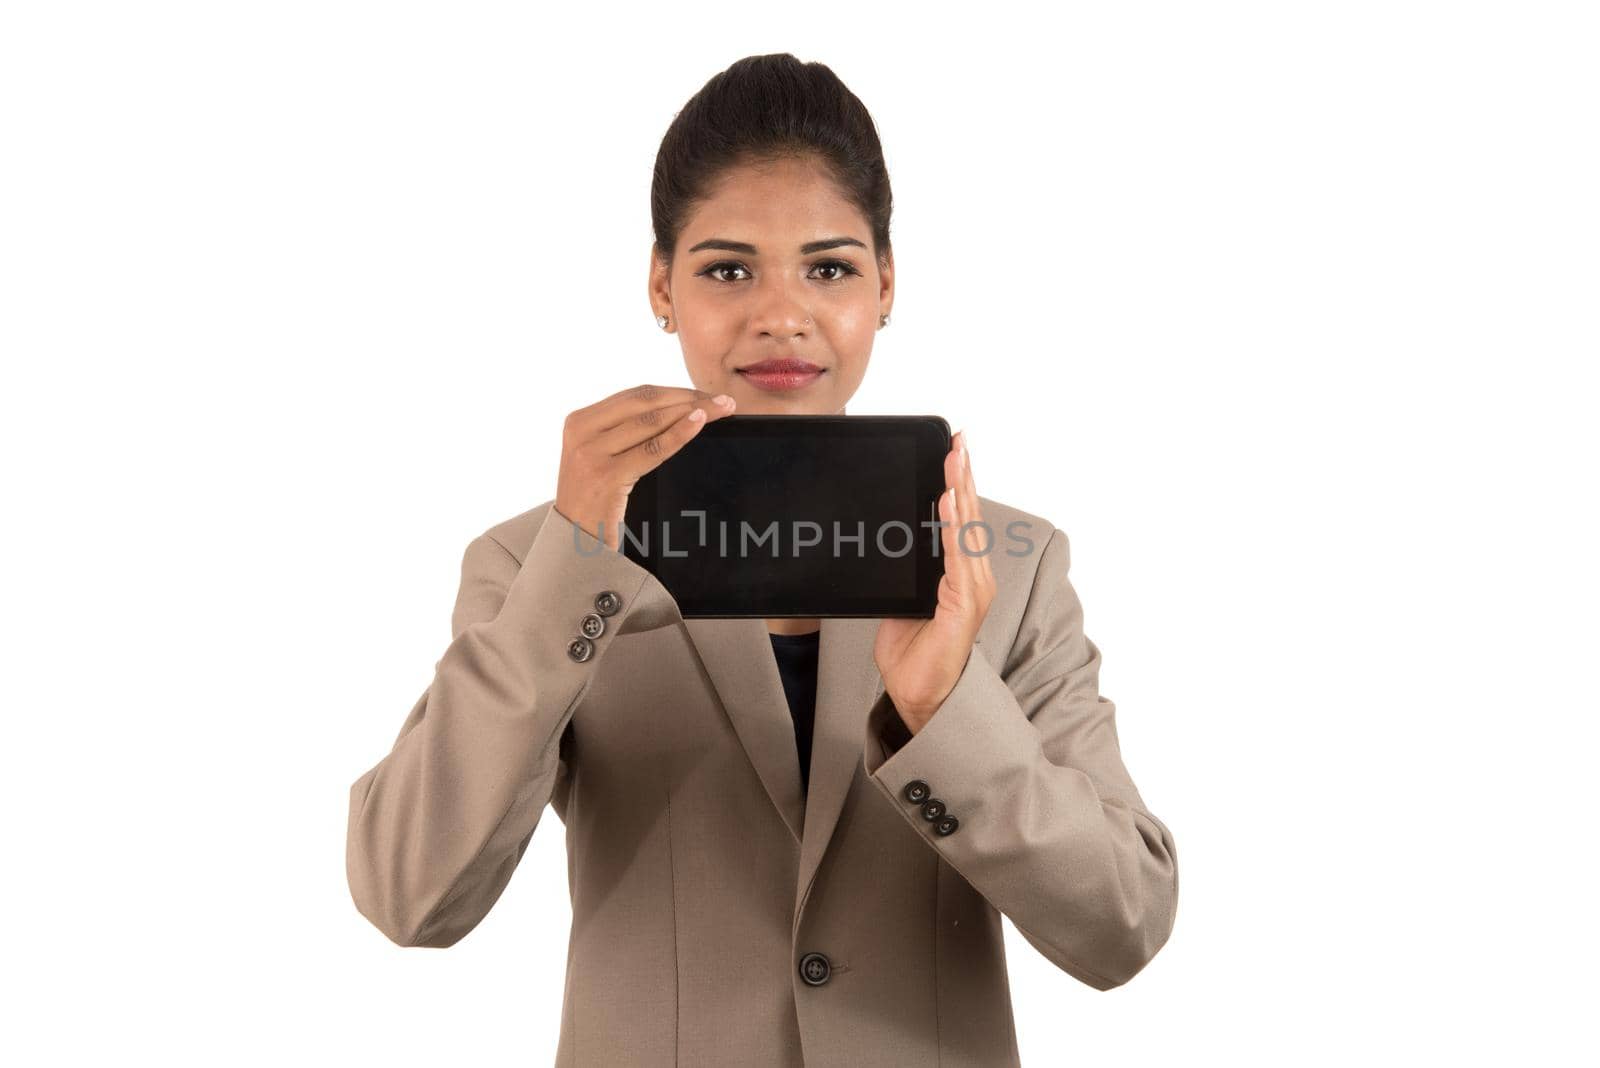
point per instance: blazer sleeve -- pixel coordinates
(1050, 827)
(438, 825)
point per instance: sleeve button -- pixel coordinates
(946, 826)
(592, 626)
(932, 809)
(917, 791)
(580, 649)
(607, 603)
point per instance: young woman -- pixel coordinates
(789, 841)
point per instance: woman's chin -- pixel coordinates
(752, 401)
(770, 408)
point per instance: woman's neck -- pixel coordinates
(794, 626)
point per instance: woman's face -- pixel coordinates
(748, 283)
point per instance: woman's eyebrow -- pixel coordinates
(750, 250)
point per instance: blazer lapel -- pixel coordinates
(737, 654)
(848, 684)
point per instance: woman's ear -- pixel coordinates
(658, 285)
(886, 285)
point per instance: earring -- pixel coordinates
(883, 321)
(661, 321)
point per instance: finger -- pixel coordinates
(649, 422)
(973, 540)
(978, 538)
(625, 404)
(959, 567)
(644, 457)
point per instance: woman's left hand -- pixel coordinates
(921, 659)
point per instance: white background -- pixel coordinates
(1286, 313)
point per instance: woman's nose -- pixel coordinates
(779, 311)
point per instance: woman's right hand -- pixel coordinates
(608, 446)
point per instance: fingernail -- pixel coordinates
(697, 415)
(723, 399)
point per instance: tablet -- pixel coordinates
(796, 515)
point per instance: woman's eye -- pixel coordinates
(841, 266)
(724, 266)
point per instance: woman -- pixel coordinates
(750, 886)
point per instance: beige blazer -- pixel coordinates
(718, 916)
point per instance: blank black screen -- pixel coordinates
(773, 506)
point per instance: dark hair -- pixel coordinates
(762, 109)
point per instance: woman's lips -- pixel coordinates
(781, 376)
(781, 381)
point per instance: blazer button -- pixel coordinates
(580, 649)
(933, 809)
(607, 603)
(946, 826)
(814, 968)
(917, 791)
(592, 626)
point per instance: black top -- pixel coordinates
(797, 666)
